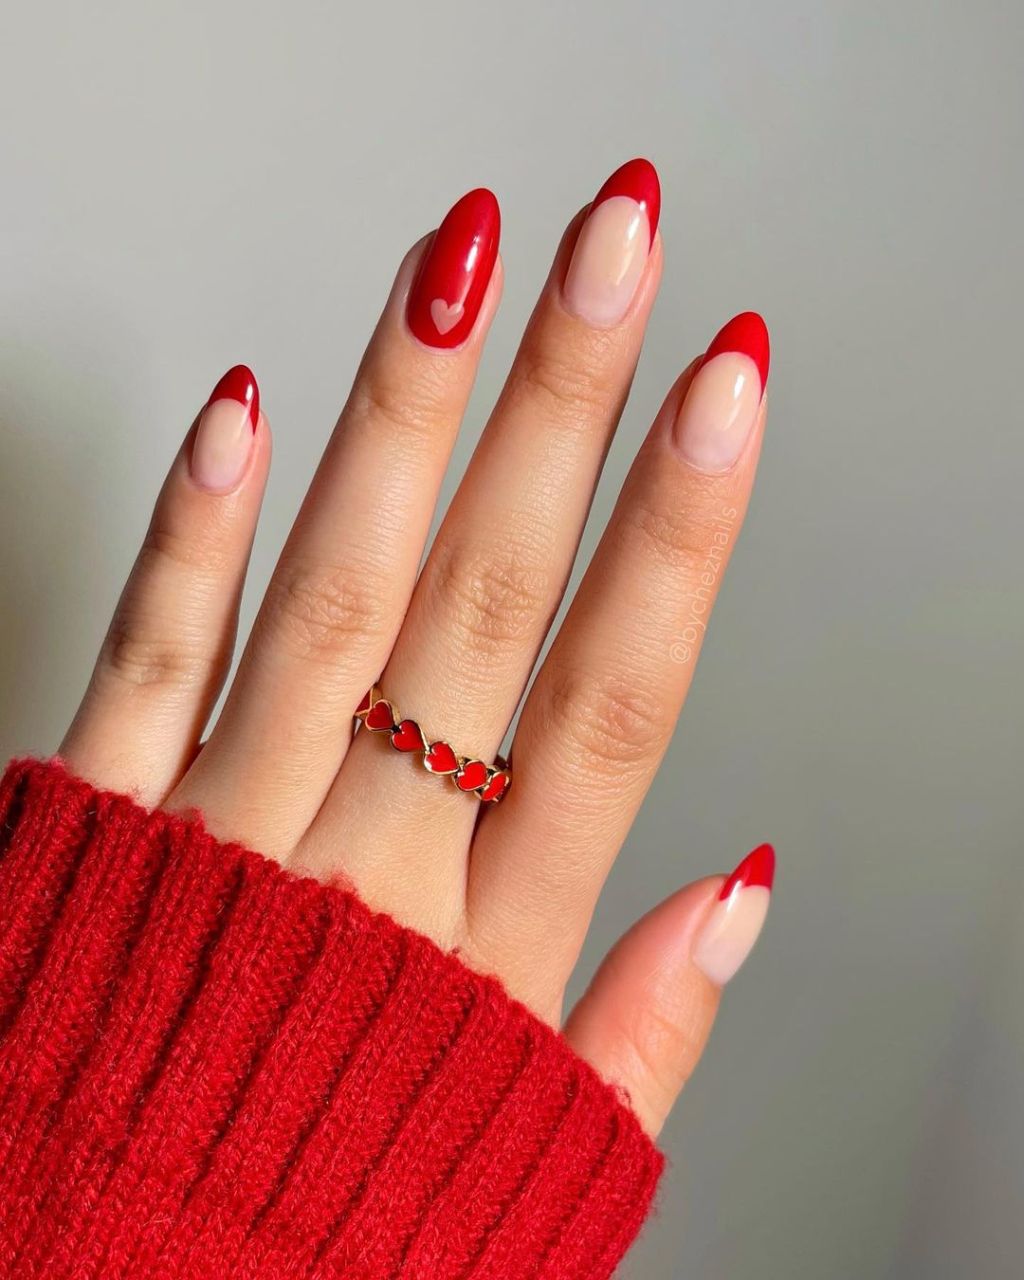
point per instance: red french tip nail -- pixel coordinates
(449, 289)
(748, 334)
(637, 179)
(757, 868)
(239, 384)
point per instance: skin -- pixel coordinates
(513, 887)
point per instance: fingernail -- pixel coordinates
(446, 296)
(224, 437)
(737, 917)
(721, 405)
(613, 245)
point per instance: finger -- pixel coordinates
(645, 1019)
(498, 567)
(169, 646)
(604, 705)
(343, 581)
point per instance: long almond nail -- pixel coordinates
(734, 922)
(224, 437)
(720, 409)
(613, 245)
(449, 289)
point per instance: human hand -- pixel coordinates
(511, 886)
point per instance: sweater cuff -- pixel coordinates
(211, 1067)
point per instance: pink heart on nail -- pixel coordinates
(445, 315)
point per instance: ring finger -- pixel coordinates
(342, 583)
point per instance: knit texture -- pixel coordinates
(211, 1068)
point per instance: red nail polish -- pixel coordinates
(638, 180)
(734, 922)
(756, 869)
(239, 384)
(746, 333)
(449, 288)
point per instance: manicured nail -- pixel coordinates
(445, 298)
(715, 419)
(613, 245)
(734, 922)
(224, 437)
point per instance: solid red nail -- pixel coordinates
(449, 288)
(746, 333)
(638, 180)
(757, 868)
(239, 384)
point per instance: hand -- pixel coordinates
(453, 646)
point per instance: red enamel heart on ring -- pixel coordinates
(497, 786)
(473, 774)
(440, 758)
(380, 716)
(408, 737)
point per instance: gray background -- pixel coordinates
(190, 185)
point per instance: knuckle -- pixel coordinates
(158, 634)
(319, 612)
(670, 531)
(141, 654)
(411, 407)
(663, 1051)
(163, 550)
(572, 385)
(494, 598)
(609, 722)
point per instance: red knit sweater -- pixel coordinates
(212, 1068)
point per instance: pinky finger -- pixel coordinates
(646, 1017)
(171, 639)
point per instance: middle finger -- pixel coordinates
(501, 560)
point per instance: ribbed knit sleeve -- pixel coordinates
(212, 1068)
